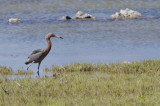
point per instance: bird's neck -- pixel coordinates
(48, 48)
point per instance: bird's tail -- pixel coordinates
(26, 62)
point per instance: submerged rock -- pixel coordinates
(81, 15)
(14, 20)
(127, 13)
(65, 18)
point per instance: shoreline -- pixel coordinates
(79, 67)
(135, 83)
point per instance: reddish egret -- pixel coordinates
(38, 55)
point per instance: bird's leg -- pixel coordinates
(28, 68)
(38, 69)
(29, 65)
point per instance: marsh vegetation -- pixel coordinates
(135, 83)
(5, 70)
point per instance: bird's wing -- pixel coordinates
(35, 57)
(36, 51)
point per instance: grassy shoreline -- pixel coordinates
(135, 83)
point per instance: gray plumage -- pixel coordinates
(38, 55)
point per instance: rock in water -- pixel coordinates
(64, 18)
(14, 20)
(81, 15)
(127, 13)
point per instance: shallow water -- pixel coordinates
(101, 40)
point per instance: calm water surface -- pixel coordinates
(94, 41)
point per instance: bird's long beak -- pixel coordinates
(58, 36)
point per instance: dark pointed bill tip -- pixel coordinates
(61, 37)
(58, 36)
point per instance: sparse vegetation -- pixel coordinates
(136, 83)
(23, 72)
(146, 66)
(4, 70)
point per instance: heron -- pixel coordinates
(38, 55)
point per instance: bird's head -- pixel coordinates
(48, 36)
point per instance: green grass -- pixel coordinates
(137, 83)
(4, 70)
(146, 66)
(23, 72)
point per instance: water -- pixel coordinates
(101, 40)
